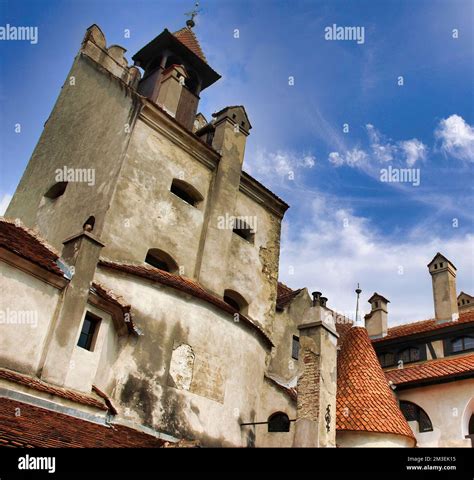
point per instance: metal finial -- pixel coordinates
(190, 23)
(358, 291)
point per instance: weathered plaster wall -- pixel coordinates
(87, 129)
(445, 404)
(144, 213)
(371, 440)
(273, 400)
(27, 296)
(252, 269)
(205, 397)
(84, 363)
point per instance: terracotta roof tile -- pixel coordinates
(118, 301)
(27, 243)
(188, 38)
(41, 386)
(365, 402)
(38, 427)
(285, 295)
(439, 369)
(424, 326)
(185, 285)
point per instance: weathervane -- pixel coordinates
(190, 22)
(358, 291)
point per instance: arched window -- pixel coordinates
(410, 354)
(243, 230)
(236, 301)
(412, 412)
(278, 422)
(186, 192)
(387, 359)
(161, 260)
(471, 425)
(461, 344)
(56, 190)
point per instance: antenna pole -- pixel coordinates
(358, 291)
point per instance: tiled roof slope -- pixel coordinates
(285, 295)
(424, 326)
(187, 37)
(365, 402)
(28, 244)
(44, 387)
(38, 427)
(432, 370)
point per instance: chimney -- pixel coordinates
(317, 370)
(376, 322)
(443, 277)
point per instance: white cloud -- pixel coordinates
(381, 151)
(414, 150)
(4, 202)
(283, 163)
(352, 158)
(457, 137)
(332, 250)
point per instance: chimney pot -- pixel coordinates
(323, 301)
(316, 298)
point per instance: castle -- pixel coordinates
(135, 312)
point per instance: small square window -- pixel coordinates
(295, 347)
(89, 330)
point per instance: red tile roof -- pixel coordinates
(29, 245)
(185, 285)
(38, 427)
(118, 301)
(365, 402)
(40, 386)
(285, 295)
(424, 326)
(439, 369)
(188, 38)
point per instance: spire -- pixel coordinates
(190, 22)
(365, 402)
(357, 322)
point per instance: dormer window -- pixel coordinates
(386, 359)
(161, 260)
(56, 190)
(462, 344)
(410, 354)
(236, 301)
(186, 192)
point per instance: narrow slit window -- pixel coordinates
(295, 347)
(89, 330)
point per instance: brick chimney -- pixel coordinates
(443, 277)
(316, 405)
(376, 322)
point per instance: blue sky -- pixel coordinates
(345, 225)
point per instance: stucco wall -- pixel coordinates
(371, 440)
(87, 129)
(446, 405)
(144, 213)
(226, 372)
(23, 295)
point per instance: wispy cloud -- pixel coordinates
(332, 249)
(456, 137)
